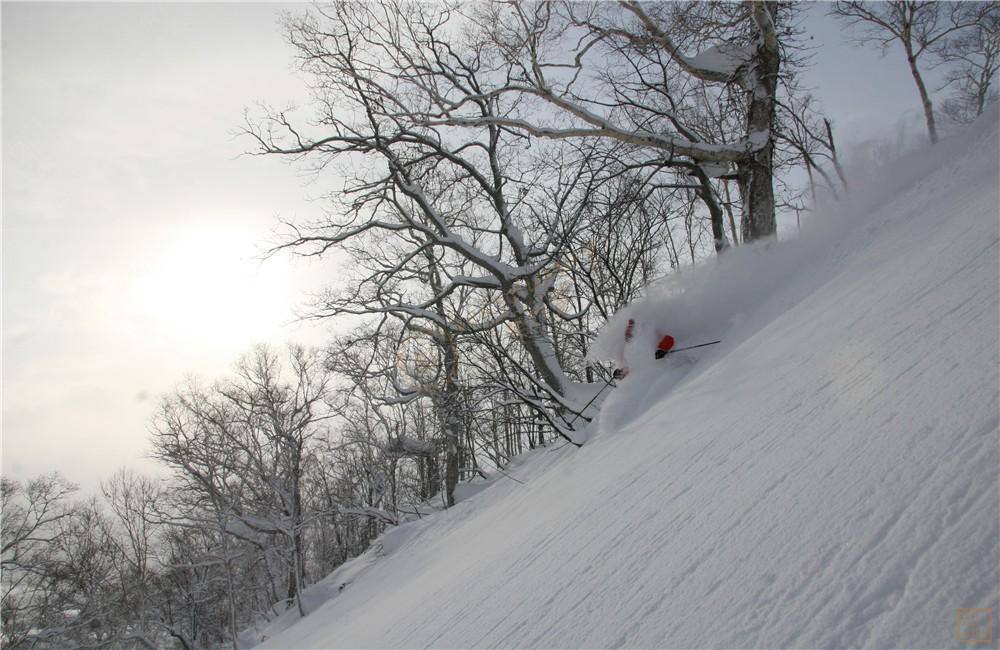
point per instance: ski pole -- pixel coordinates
(592, 400)
(691, 347)
(601, 392)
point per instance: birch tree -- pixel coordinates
(917, 26)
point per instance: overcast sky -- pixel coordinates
(131, 222)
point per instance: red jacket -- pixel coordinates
(663, 346)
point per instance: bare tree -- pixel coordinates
(918, 26)
(32, 516)
(60, 570)
(133, 501)
(390, 373)
(971, 60)
(192, 587)
(86, 585)
(559, 53)
(242, 446)
(464, 199)
(809, 136)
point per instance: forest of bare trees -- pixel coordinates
(500, 179)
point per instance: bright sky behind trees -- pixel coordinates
(131, 222)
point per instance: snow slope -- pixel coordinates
(828, 477)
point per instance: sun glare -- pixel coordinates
(208, 285)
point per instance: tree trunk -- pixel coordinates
(925, 99)
(447, 401)
(709, 198)
(531, 328)
(433, 476)
(453, 435)
(757, 172)
(730, 213)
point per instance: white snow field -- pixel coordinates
(827, 477)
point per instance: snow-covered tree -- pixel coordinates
(459, 205)
(623, 72)
(241, 447)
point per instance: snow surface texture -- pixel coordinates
(827, 477)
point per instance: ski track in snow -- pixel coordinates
(829, 480)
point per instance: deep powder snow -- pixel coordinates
(827, 477)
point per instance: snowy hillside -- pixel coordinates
(827, 477)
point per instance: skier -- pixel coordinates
(666, 342)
